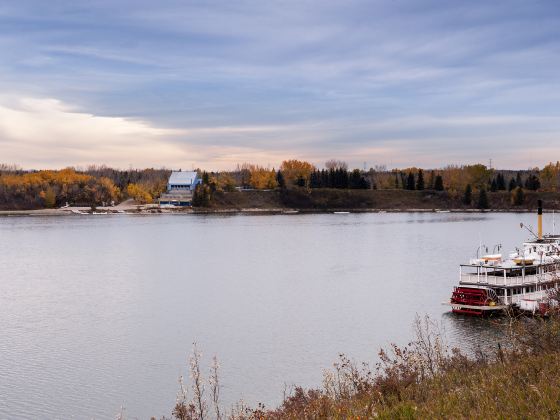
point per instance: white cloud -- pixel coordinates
(48, 133)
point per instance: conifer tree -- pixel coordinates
(438, 184)
(494, 185)
(512, 184)
(420, 180)
(355, 179)
(467, 197)
(482, 199)
(280, 179)
(532, 183)
(518, 180)
(410, 181)
(501, 182)
(432, 180)
(403, 180)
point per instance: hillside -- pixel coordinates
(364, 200)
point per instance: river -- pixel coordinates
(99, 312)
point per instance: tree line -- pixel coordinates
(98, 185)
(94, 186)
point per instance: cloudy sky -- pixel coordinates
(215, 83)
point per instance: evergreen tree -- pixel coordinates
(364, 184)
(300, 181)
(431, 182)
(325, 179)
(344, 178)
(512, 184)
(315, 179)
(438, 184)
(332, 178)
(501, 182)
(410, 181)
(280, 179)
(355, 179)
(201, 196)
(517, 196)
(494, 185)
(420, 180)
(467, 197)
(532, 182)
(396, 181)
(403, 180)
(482, 199)
(518, 180)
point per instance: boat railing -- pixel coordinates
(505, 280)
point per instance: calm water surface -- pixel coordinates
(99, 312)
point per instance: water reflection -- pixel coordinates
(471, 334)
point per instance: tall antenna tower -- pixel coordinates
(490, 163)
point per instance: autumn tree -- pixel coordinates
(517, 196)
(139, 193)
(262, 178)
(479, 175)
(225, 182)
(295, 170)
(549, 176)
(50, 197)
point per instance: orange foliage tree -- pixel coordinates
(262, 178)
(296, 169)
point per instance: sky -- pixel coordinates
(212, 84)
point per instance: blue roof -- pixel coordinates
(183, 178)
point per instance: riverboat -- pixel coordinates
(522, 281)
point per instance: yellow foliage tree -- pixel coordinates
(139, 193)
(549, 176)
(295, 169)
(262, 178)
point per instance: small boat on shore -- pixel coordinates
(521, 282)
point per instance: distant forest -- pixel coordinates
(100, 185)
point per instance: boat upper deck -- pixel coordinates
(537, 262)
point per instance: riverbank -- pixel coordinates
(322, 201)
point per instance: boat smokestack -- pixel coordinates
(539, 216)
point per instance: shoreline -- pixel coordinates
(247, 211)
